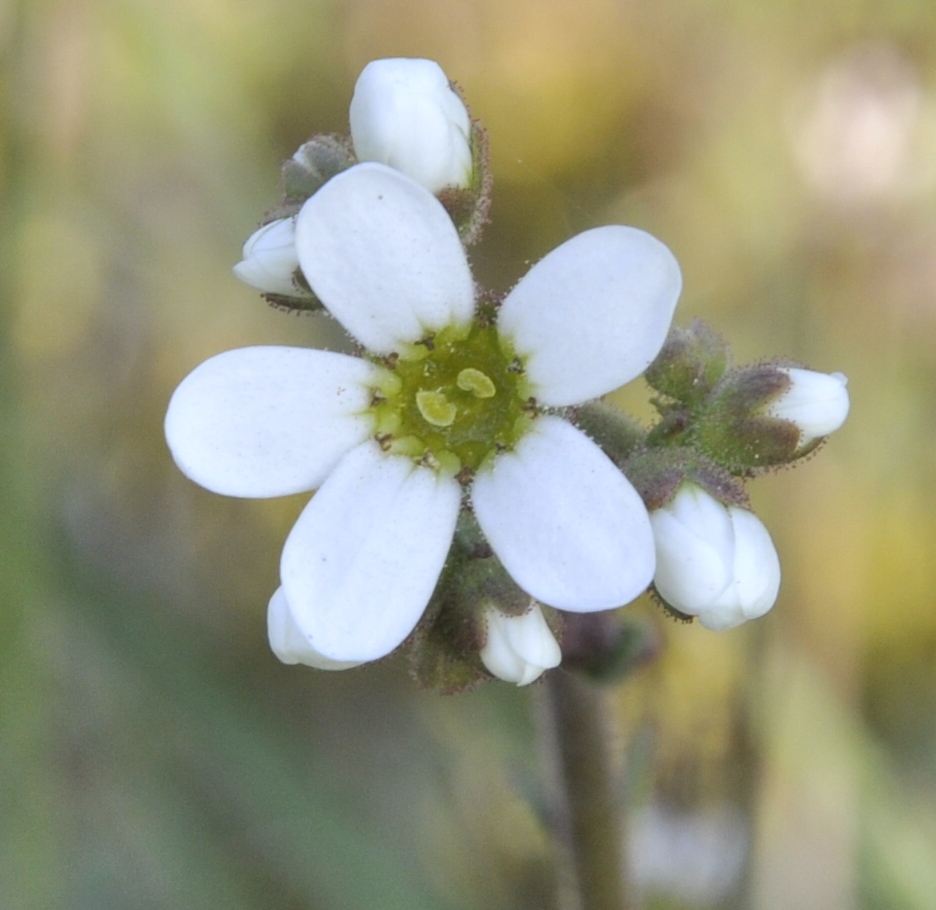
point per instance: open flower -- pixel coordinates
(451, 400)
(714, 561)
(404, 113)
(519, 648)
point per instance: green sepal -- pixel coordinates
(657, 475)
(469, 207)
(732, 429)
(307, 304)
(690, 363)
(444, 649)
(313, 165)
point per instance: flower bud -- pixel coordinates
(767, 414)
(311, 167)
(270, 263)
(816, 402)
(714, 561)
(405, 114)
(289, 644)
(690, 362)
(519, 648)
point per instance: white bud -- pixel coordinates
(714, 561)
(519, 648)
(405, 114)
(289, 644)
(816, 402)
(270, 260)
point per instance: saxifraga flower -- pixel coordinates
(453, 404)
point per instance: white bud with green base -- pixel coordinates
(405, 114)
(714, 561)
(519, 649)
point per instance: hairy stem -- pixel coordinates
(588, 813)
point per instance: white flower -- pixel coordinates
(519, 648)
(447, 400)
(270, 263)
(714, 561)
(405, 114)
(816, 402)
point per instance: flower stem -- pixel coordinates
(588, 801)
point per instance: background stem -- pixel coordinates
(589, 818)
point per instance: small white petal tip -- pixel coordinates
(519, 649)
(290, 645)
(817, 403)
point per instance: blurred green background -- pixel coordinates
(154, 754)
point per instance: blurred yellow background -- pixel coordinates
(154, 754)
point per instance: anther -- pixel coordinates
(476, 382)
(436, 408)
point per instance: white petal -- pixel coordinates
(721, 619)
(384, 257)
(362, 561)
(289, 644)
(593, 313)
(269, 421)
(564, 521)
(756, 565)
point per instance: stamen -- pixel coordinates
(429, 460)
(452, 400)
(436, 408)
(476, 382)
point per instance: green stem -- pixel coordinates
(589, 817)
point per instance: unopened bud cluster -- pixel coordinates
(719, 425)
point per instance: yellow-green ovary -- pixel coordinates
(454, 401)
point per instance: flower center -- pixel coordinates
(453, 400)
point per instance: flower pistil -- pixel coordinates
(456, 399)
